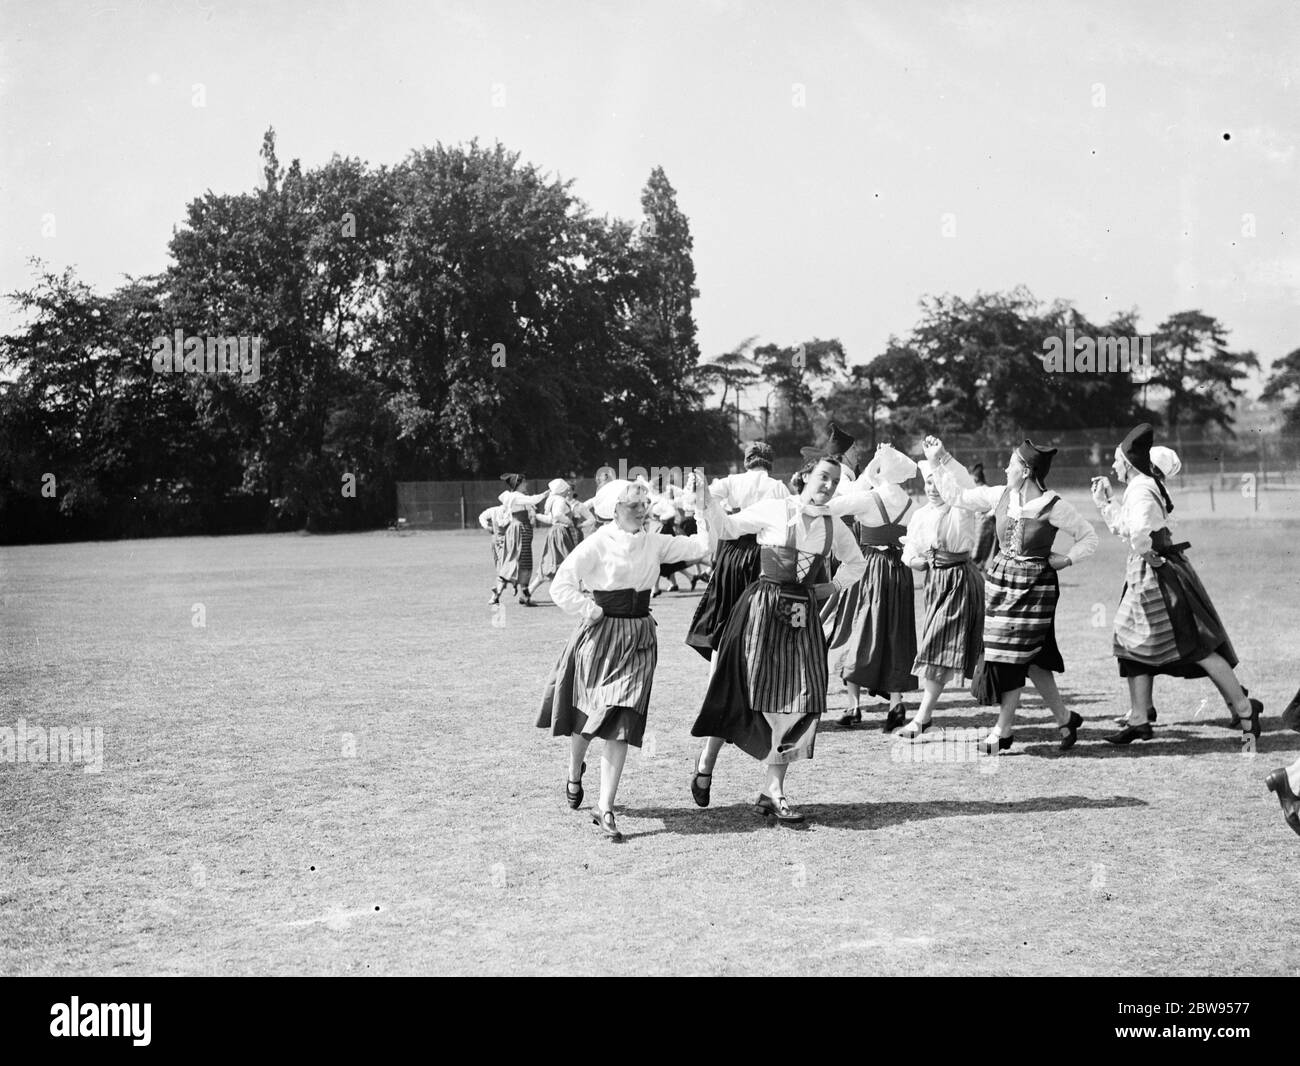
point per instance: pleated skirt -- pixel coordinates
(735, 567)
(952, 631)
(600, 687)
(1020, 599)
(871, 638)
(769, 689)
(1166, 622)
(560, 540)
(517, 556)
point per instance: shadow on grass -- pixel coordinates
(742, 818)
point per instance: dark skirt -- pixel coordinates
(1019, 626)
(600, 687)
(517, 559)
(560, 540)
(871, 639)
(735, 567)
(769, 689)
(1166, 622)
(952, 631)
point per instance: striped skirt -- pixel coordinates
(735, 567)
(600, 686)
(1019, 626)
(517, 558)
(769, 688)
(560, 540)
(1166, 623)
(871, 637)
(952, 632)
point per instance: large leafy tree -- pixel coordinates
(1197, 372)
(1284, 384)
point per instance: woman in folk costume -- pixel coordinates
(735, 569)
(516, 567)
(1165, 622)
(600, 686)
(871, 631)
(1021, 587)
(495, 520)
(562, 516)
(767, 690)
(940, 541)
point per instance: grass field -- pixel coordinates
(338, 773)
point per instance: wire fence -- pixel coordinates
(1254, 474)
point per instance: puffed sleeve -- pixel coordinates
(565, 589)
(692, 549)
(845, 546)
(1064, 517)
(958, 488)
(485, 519)
(1140, 514)
(753, 519)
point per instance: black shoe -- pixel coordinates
(607, 826)
(986, 745)
(1279, 785)
(1067, 741)
(895, 719)
(1131, 733)
(851, 718)
(787, 815)
(575, 798)
(700, 795)
(1256, 709)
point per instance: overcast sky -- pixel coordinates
(1102, 152)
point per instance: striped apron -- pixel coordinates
(769, 688)
(601, 683)
(1166, 623)
(952, 632)
(1020, 605)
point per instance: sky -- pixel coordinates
(837, 161)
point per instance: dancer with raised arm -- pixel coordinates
(1165, 622)
(1021, 587)
(768, 690)
(871, 634)
(516, 566)
(941, 542)
(600, 687)
(561, 514)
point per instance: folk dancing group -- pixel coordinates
(817, 577)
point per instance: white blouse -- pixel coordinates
(491, 517)
(738, 491)
(983, 498)
(611, 558)
(940, 526)
(1140, 511)
(771, 521)
(558, 511)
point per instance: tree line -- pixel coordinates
(342, 328)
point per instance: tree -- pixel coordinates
(794, 372)
(1197, 372)
(1284, 384)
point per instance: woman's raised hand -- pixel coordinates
(934, 449)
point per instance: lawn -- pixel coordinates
(337, 772)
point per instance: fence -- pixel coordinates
(1236, 479)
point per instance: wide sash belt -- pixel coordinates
(623, 603)
(946, 560)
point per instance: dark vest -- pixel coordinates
(1031, 537)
